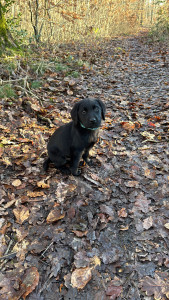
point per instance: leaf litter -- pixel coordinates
(104, 234)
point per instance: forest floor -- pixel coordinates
(104, 234)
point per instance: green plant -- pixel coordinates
(7, 91)
(36, 84)
(160, 31)
(75, 74)
(14, 26)
(62, 67)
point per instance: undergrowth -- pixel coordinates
(160, 31)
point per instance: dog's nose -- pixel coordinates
(93, 120)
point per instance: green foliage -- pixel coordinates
(62, 67)
(161, 29)
(75, 74)
(7, 91)
(19, 34)
(36, 84)
(6, 5)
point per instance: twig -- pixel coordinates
(8, 256)
(13, 80)
(47, 120)
(6, 252)
(47, 248)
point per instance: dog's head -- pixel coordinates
(88, 113)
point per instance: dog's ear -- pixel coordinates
(74, 113)
(103, 108)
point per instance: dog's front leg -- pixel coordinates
(75, 160)
(86, 155)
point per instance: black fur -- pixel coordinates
(72, 141)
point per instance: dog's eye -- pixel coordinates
(96, 108)
(83, 112)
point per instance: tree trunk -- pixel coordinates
(6, 39)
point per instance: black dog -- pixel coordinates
(72, 141)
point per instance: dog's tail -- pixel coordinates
(46, 164)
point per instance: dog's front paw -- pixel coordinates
(76, 172)
(65, 170)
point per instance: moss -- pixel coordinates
(3, 30)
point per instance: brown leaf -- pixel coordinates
(61, 191)
(2, 245)
(1, 150)
(107, 210)
(149, 173)
(16, 182)
(148, 222)
(129, 126)
(158, 286)
(21, 214)
(35, 194)
(55, 215)
(43, 184)
(72, 82)
(114, 288)
(166, 225)
(6, 289)
(30, 281)
(132, 183)
(21, 234)
(80, 233)
(124, 228)
(69, 92)
(122, 213)
(142, 203)
(80, 277)
(71, 212)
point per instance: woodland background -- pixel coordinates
(59, 21)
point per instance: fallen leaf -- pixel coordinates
(80, 277)
(158, 286)
(132, 183)
(166, 225)
(3, 246)
(114, 288)
(142, 203)
(6, 289)
(128, 125)
(80, 233)
(148, 222)
(149, 136)
(107, 210)
(6, 161)
(150, 173)
(21, 234)
(61, 191)
(35, 194)
(69, 92)
(21, 214)
(122, 213)
(95, 261)
(30, 281)
(123, 228)
(55, 215)
(72, 82)
(43, 185)
(16, 182)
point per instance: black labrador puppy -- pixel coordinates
(72, 141)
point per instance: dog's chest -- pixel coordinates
(90, 139)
